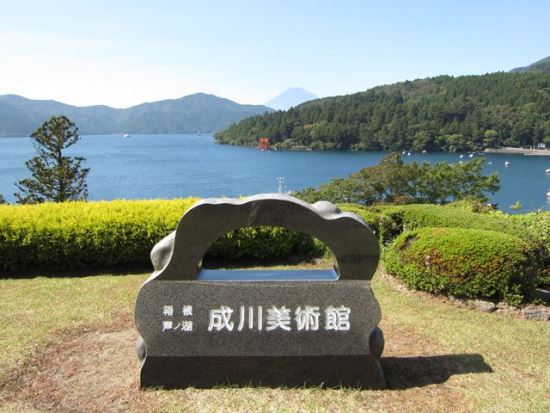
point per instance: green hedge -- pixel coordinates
(91, 235)
(538, 224)
(384, 226)
(470, 263)
(51, 237)
(264, 243)
(71, 235)
(410, 217)
(391, 220)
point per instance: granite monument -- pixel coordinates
(204, 328)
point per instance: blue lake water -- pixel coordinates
(170, 166)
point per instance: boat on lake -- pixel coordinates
(547, 171)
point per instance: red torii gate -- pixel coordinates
(264, 144)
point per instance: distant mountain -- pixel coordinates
(542, 66)
(199, 112)
(290, 98)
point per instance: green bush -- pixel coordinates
(264, 243)
(470, 263)
(472, 205)
(384, 227)
(52, 237)
(84, 234)
(429, 216)
(538, 225)
(392, 220)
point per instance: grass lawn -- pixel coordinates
(67, 344)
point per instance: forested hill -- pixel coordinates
(441, 113)
(542, 65)
(199, 112)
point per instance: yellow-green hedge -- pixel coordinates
(84, 234)
(116, 233)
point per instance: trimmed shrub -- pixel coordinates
(430, 216)
(102, 235)
(84, 234)
(469, 263)
(538, 225)
(391, 220)
(472, 205)
(385, 228)
(264, 243)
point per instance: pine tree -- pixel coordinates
(55, 176)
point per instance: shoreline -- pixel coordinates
(519, 151)
(509, 150)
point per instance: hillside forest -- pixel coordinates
(444, 113)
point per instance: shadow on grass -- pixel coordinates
(408, 372)
(345, 372)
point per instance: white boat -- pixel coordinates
(471, 155)
(461, 156)
(125, 135)
(547, 171)
(548, 194)
(408, 153)
(507, 164)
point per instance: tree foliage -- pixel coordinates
(393, 181)
(442, 113)
(2, 200)
(55, 176)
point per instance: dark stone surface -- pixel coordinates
(202, 372)
(178, 256)
(204, 296)
(180, 310)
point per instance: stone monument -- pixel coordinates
(204, 328)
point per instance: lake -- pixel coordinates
(170, 166)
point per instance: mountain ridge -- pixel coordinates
(542, 65)
(20, 116)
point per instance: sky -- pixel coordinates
(122, 53)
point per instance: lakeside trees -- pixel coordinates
(441, 113)
(55, 176)
(393, 181)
